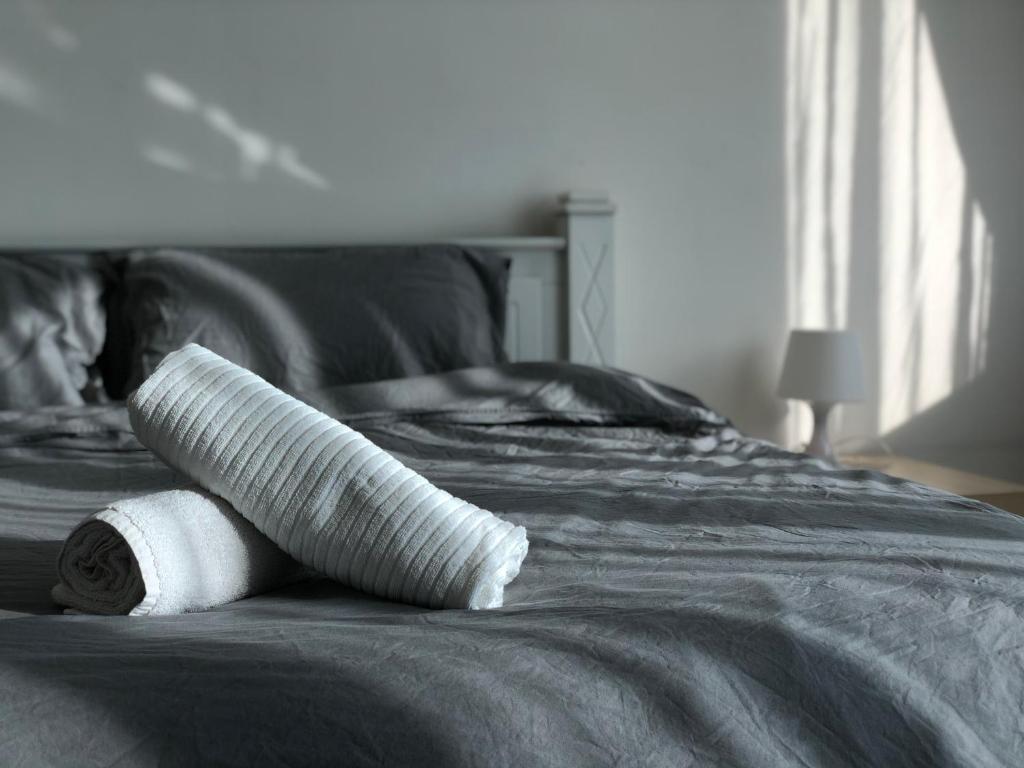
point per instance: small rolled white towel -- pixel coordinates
(170, 552)
(324, 493)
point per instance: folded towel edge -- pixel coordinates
(123, 523)
(141, 553)
(487, 588)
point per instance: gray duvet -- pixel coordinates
(691, 597)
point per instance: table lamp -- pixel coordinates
(823, 368)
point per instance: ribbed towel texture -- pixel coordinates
(170, 552)
(320, 490)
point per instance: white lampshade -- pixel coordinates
(823, 366)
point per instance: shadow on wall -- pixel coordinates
(898, 224)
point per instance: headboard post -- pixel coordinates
(590, 235)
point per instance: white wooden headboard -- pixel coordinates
(561, 300)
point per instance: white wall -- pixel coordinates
(313, 121)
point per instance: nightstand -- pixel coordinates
(998, 493)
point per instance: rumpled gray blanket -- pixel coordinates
(691, 597)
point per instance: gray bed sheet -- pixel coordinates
(691, 597)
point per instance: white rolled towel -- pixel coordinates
(323, 492)
(170, 552)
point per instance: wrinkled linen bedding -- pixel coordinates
(691, 597)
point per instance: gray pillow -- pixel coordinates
(52, 324)
(311, 317)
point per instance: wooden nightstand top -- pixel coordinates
(990, 490)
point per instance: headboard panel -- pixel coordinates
(535, 326)
(561, 303)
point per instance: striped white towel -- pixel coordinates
(323, 492)
(169, 552)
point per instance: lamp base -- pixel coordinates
(820, 447)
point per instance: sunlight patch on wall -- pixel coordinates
(256, 150)
(56, 34)
(821, 105)
(17, 89)
(929, 232)
(287, 159)
(980, 300)
(167, 158)
(171, 93)
(933, 257)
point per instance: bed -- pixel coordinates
(692, 596)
